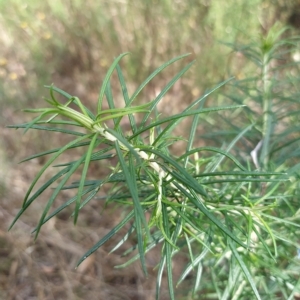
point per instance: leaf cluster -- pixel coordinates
(204, 202)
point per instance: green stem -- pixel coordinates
(267, 114)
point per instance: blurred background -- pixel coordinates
(72, 44)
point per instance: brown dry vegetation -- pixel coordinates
(42, 45)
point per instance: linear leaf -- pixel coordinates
(151, 76)
(56, 191)
(106, 80)
(174, 122)
(124, 239)
(164, 91)
(47, 128)
(106, 237)
(61, 92)
(126, 99)
(190, 266)
(156, 240)
(245, 270)
(50, 161)
(217, 150)
(193, 129)
(181, 116)
(52, 151)
(168, 251)
(67, 203)
(87, 160)
(159, 275)
(138, 211)
(38, 193)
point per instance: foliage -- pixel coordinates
(236, 217)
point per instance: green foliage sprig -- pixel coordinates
(196, 207)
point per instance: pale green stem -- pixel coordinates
(142, 154)
(267, 114)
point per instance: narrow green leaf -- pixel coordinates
(190, 223)
(129, 174)
(164, 91)
(175, 121)
(280, 220)
(190, 266)
(198, 279)
(159, 275)
(38, 193)
(59, 122)
(227, 180)
(215, 282)
(94, 157)
(45, 111)
(126, 99)
(244, 269)
(124, 239)
(52, 151)
(106, 80)
(46, 128)
(88, 198)
(193, 129)
(87, 160)
(267, 228)
(168, 251)
(50, 161)
(90, 190)
(75, 184)
(106, 237)
(151, 76)
(109, 96)
(120, 114)
(217, 150)
(241, 173)
(233, 279)
(231, 145)
(111, 104)
(84, 109)
(189, 245)
(181, 116)
(124, 110)
(156, 240)
(61, 92)
(56, 192)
